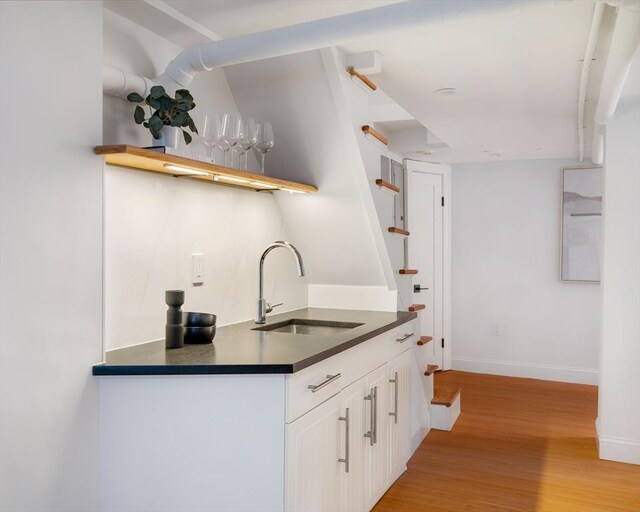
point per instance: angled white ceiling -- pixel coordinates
(516, 70)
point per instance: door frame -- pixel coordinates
(443, 170)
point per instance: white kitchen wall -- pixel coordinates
(505, 265)
(51, 188)
(154, 223)
(619, 393)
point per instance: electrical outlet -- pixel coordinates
(496, 329)
(197, 268)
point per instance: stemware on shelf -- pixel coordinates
(209, 134)
(246, 140)
(264, 141)
(227, 135)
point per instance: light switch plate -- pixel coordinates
(197, 268)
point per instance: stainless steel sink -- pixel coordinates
(312, 327)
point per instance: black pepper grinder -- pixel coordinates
(174, 330)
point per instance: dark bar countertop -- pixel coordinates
(238, 349)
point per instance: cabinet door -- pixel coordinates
(399, 391)
(377, 424)
(313, 469)
(353, 446)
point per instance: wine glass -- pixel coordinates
(227, 133)
(209, 134)
(264, 141)
(246, 140)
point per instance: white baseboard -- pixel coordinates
(420, 431)
(527, 370)
(618, 450)
(368, 298)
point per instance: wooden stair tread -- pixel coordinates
(398, 231)
(387, 185)
(408, 271)
(416, 307)
(445, 395)
(431, 369)
(365, 79)
(375, 134)
(424, 340)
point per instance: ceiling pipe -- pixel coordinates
(592, 40)
(624, 45)
(299, 38)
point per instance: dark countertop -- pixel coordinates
(237, 349)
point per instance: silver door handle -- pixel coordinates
(329, 380)
(394, 381)
(369, 433)
(345, 418)
(405, 338)
(375, 414)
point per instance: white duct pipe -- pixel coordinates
(624, 45)
(119, 83)
(592, 40)
(298, 38)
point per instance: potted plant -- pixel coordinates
(169, 116)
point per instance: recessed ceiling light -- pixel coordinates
(446, 91)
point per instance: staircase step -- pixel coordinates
(416, 307)
(407, 271)
(398, 231)
(431, 369)
(424, 340)
(445, 395)
(387, 187)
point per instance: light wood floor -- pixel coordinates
(519, 445)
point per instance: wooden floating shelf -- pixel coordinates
(133, 157)
(445, 395)
(416, 307)
(363, 78)
(385, 186)
(424, 340)
(408, 271)
(398, 231)
(431, 369)
(374, 135)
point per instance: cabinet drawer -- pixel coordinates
(363, 359)
(310, 387)
(401, 338)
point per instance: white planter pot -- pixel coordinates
(169, 137)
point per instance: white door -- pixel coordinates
(398, 418)
(377, 449)
(353, 446)
(313, 468)
(427, 213)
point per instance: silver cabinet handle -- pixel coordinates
(375, 414)
(329, 380)
(369, 433)
(345, 418)
(405, 338)
(394, 381)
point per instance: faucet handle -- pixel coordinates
(271, 306)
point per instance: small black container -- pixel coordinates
(199, 328)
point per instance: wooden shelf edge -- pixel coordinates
(398, 231)
(386, 185)
(377, 135)
(431, 369)
(424, 340)
(416, 307)
(133, 157)
(445, 395)
(351, 70)
(408, 271)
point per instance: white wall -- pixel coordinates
(619, 393)
(154, 223)
(51, 254)
(505, 270)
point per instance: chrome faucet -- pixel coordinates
(263, 306)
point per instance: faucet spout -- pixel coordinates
(263, 306)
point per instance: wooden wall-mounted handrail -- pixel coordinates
(351, 70)
(376, 135)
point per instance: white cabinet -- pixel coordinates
(313, 469)
(399, 413)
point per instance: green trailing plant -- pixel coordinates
(165, 111)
